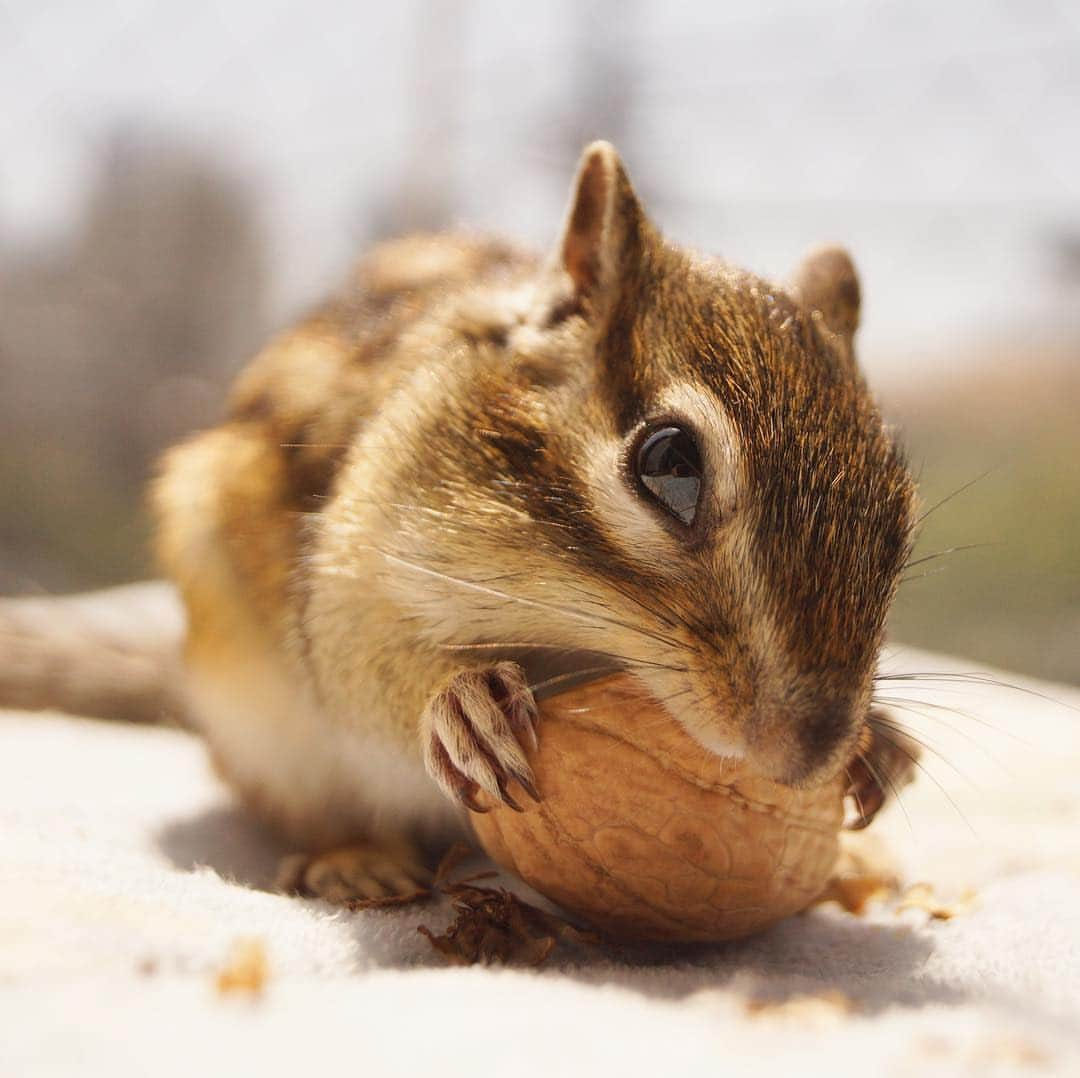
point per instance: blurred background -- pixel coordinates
(177, 180)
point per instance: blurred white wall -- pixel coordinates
(938, 140)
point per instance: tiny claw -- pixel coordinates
(530, 728)
(527, 785)
(470, 802)
(474, 732)
(866, 791)
(507, 799)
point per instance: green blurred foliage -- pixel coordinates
(78, 526)
(117, 338)
(1013, 600)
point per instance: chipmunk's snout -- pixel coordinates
(805, 745)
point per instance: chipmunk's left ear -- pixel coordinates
(827, 286)
(604, 234)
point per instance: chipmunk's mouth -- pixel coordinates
(558, 670)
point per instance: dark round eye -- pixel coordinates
(668, 466)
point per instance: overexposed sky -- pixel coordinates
(940, 141)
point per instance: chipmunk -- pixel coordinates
(476, 473)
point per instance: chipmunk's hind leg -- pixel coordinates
(361, 873)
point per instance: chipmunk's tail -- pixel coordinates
(111, 654)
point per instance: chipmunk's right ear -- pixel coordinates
(603, 237)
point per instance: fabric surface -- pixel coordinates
(127, 877)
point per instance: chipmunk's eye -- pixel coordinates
(668, 466)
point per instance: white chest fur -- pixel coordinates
(323, 783)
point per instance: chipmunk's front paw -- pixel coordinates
(365, 874)
(882, 768)
(473, 733)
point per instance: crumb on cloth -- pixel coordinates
(865, 873)
(920, 896)
(246, 970)
(996, 1051)
(855, 893)
(1011, 1050)
(817, 1009)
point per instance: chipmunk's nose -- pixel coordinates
(805, 745)
(822, 734)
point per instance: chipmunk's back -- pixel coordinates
(313, 387)
(231, 503)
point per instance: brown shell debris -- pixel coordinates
(494, 925)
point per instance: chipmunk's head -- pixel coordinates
(683, 472)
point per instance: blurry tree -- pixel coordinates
(421, 195)
(1065, 277)
(603, 77)
(113, 344)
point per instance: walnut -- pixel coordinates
(647, 836)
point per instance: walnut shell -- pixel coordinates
(648, 836)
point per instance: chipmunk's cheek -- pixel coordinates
(716, 721)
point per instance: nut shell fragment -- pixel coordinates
(648, 836)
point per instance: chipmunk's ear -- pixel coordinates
(827, 286)
(604, 233)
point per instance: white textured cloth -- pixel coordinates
(126, 878)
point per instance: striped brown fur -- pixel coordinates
(438, 458)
